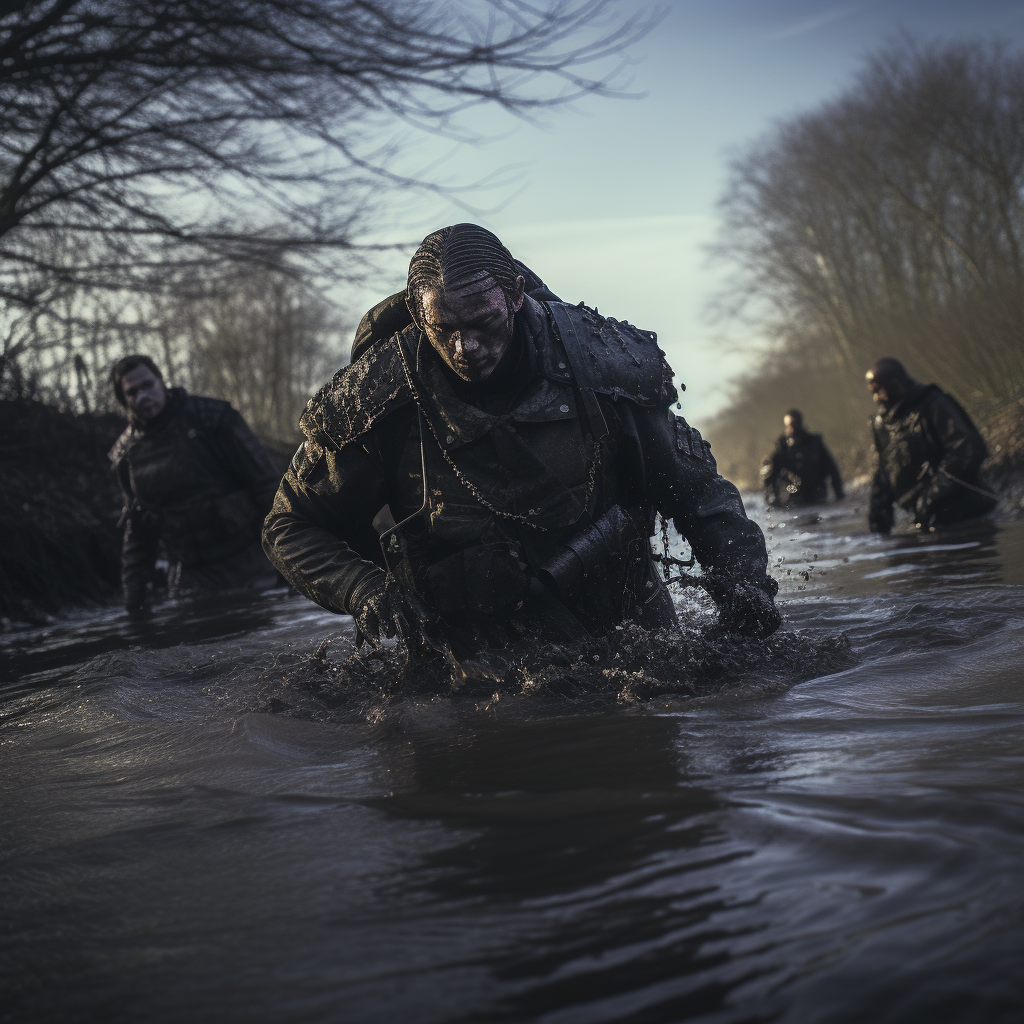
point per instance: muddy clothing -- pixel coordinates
(196, 479)
(929, 458)
(798, 471)
(513, 473)
(391, 315)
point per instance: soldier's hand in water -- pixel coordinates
(744, 606)
(383, 608)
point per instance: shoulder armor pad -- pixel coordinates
(121, 446)
(620, 360)
(358, 396)
(208, 412)
(688, 440)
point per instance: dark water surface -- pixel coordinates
(848, 849)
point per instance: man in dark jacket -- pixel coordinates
(195, 477)
(491, 473)
(929, 453)
(797, 471)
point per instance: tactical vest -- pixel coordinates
(525, 480)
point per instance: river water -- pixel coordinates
(191, 834)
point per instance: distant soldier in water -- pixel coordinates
(797, 471)
(929, 453)
(195, 478)
(489, 473)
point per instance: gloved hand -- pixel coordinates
(745, 606)
(382, 607)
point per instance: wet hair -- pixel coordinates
(126, 365)
(455, 256)
(795, 415)
(888, 371)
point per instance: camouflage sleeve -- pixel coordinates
(683, 483)
(325, 502)
(138, 556)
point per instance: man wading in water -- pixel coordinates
(929, 453)
(522, 447)
(195, 479)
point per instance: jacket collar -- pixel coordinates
(455, 422)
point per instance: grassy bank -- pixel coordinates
(59, 508)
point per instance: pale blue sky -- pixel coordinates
(617, 199)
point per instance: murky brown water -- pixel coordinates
(848, 848)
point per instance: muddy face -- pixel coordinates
(471, 326)
(144, 393)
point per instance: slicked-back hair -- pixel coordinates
(456, 256)
(126, 365)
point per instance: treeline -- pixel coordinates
(188, 180)
(889, 221)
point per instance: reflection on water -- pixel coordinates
(849, 850)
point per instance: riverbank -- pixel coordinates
(60, 503)
(59, 508)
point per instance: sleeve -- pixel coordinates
(880, 515)
(326, 500)
(246, 460)
(770, 474)
(963, 451)
(139, 548)
(684, 483)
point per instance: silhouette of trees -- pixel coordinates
(147, 144)
(889, 221)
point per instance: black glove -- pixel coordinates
(745, 606)
(384, 608)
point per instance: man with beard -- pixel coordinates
(195, 478)
(929, 453)
(491, 473)
(797, 471)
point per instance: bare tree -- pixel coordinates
(152, 134)
(263, 342)
(889, 221)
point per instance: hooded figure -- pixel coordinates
(929, 453)
(195, 480)
(490, 472)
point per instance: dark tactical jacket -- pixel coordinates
(929, 457)
(196, 478)
(519, 470)
(798, 470)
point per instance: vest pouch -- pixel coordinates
(486, 579)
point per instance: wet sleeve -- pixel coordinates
(880, 515)
(684, 484)
(247, 460)
(325, 500)
(770, 474)
(963, 449)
